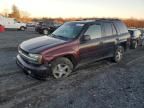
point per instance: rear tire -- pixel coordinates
(134, 44)
(22, 28)
(118, 55)
(61, 67)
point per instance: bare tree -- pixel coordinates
(5, 12)
(15, 12)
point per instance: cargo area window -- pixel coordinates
(121, 26)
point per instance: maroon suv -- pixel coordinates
(73, 43)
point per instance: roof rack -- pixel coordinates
(99, 19)
(107, 19)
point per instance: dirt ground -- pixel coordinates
(102, 84)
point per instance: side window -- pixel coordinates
(108, 29)
(94, 31)
(121, 26)
(114, 30)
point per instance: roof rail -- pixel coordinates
(103, 19)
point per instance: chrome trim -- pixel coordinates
(27, 57)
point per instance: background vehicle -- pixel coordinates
(46, 27)
(73, 44)
(11, 23)
(142, 38)
(32, 24)
(135, 37)
(2, 29)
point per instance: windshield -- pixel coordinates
(68, 30)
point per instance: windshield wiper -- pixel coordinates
(57, 36)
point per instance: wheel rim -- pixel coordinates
(45, 32)
(61, 70)
(118, 55)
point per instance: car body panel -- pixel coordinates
(39, 44)
(82, 51)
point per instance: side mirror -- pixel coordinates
(86, 37)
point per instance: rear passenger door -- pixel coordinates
(91, 49)
(109, 38)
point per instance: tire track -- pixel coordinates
(134, 60)
(23, 95)
(48, 94)
(7, 95)
(49, 87)
(9, 74)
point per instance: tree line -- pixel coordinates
(24, 17)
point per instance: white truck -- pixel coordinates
(11, 23)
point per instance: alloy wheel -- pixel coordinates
(61, 70)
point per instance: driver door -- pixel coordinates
(91, 49)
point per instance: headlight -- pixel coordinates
(36, 57)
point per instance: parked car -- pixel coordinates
(142, 39)
(2, 29)
(32, 24)
(135, 38)
(46, 27)
(38, 26)
(11, 23)
(72, 44)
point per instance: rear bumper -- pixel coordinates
(39, 72)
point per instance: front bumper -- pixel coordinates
(40, 72)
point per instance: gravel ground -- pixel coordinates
(101, 84)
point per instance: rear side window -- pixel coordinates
(114, 30)
(94, 31)
(121, 27)
(108, 29)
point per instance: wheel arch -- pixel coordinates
(124, 45)
(71, 57)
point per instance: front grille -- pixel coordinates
(23, 51)
(25, 56)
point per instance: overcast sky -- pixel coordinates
(78, 8)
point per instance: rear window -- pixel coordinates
(121, 27)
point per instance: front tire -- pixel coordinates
(61, 67)
(22, 28)
(118, 55)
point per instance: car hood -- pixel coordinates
(39, 44)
